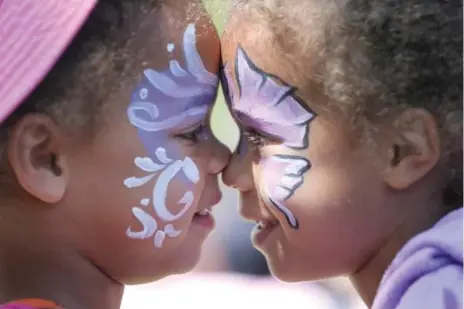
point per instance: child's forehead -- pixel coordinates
(162, 50)
(265, 56)
(156, 38)
(258, 58)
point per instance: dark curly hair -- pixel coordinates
(92, 67)
(374, 57)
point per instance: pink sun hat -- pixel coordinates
(33, 35)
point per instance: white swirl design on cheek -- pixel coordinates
(161, 188)
(160, 236)
(159, 239)
(134, 182)
(162, 156)
(171, 231)
(148, 222)
(185, 92)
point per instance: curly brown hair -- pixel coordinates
(371, 58)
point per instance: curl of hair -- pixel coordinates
(372, 58)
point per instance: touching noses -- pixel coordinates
(238, 173)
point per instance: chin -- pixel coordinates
(290, 272)
(293, 272)
(287, 276)
(184, 260)
(186, 265)
(176, 268)
(180, 263)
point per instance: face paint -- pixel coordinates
(272, 108)
(282, 175)
(186, 95)
(268, 106)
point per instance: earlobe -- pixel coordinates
(36, 158)
(415, 150)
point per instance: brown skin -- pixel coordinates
(359, 203)
(63, 234)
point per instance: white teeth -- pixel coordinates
(265, 224)
(204, 212)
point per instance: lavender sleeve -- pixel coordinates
(427, 273)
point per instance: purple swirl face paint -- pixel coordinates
(173, 98)
(264, 103)
(163, 102)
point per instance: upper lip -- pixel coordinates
(265, 218)
(213, 200)
(268, 220)
(255, 213)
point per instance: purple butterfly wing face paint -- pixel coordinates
(268, 106)
(271, 107)
(176, 98)
(283, 175)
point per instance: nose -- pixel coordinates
(220, 156)
(238, 173)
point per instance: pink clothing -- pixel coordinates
(33, 35)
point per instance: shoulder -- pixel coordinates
(428, 270)
(441, 289)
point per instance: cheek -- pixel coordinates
(282, 176)
(335, 206)
(171, 183)
(184, 190)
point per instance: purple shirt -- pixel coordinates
(427, 272)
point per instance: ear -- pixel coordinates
(36, 157)
(415, 149)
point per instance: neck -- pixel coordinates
(366, 279)
(67, 279)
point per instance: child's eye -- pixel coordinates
(256, 139)
(195, 134)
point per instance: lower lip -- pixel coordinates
(204, 221)
(259, 236)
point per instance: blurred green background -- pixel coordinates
(222, 124)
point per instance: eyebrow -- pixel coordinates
(249, 123)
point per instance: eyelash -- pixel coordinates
(257, 140)
(193, 135)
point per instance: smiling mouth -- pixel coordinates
(203, 213)
(266, 224)
(204, 218)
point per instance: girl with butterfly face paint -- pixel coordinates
(350, 157)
